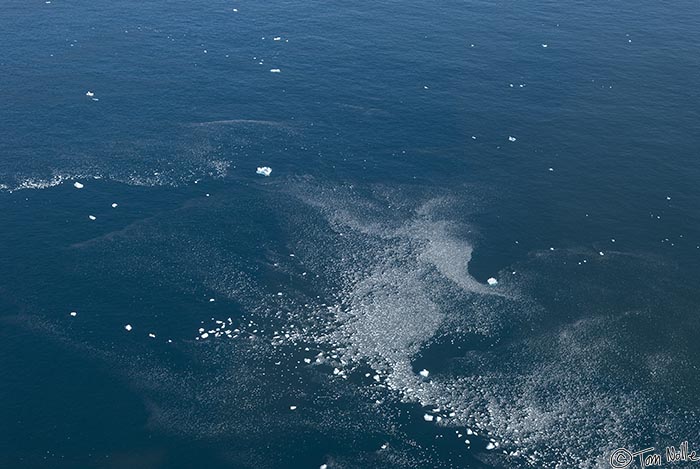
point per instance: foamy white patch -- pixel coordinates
(263, 170)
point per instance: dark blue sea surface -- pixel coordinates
(478, 246)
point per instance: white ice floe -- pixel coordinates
(275, 70)
(78, 185)
(277, 38)
(264, 170)
(492, 281)
(115, 205)
(490, 446)
(151, 335)
(544, 45)
(211, 300)
(428, 418)
(73, 313)
(512, 139)
(292, 407)
(424, 373)
(92, 217)
(323, 466)
(89, 94)
(128, 327)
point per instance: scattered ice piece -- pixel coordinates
(668, 198)
(492, 281)
(428, 418)
(551, 169)
(467, 442)
(512, 139)
(275, 70)
(490, 446)
(264, 170)
(128, 327)
(73, 313)
(292, 407)
(544, 45)
(204, 336)
(211, 300)
(92, 217)
(235, 10)
(424, 373)
(323, 466)
(115, 205)
(151, 335)
(277, 38)
(78, 185)
(601, 253)
(89, 94)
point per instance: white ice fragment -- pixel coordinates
(551, 169)
(601, 253)
(151, 335)
(277, 38)
(544, 45)
(292, 407)
(512, 139)
(73, 313)
(92, 217)
(323, 466)
(424, 373)
(115, 205)
(204, 336)
(275, 70)
(492, 281)
(490, 446)
(264, 170)
(128, 327)
(89, 94)
(78, 185)
(211, 300)
(428, 418)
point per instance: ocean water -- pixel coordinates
(338, 312)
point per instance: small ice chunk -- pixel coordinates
(92, 217)
(512, 139)
(78, 185)
(490, 446)
(211, 300)
(115, 205)
(492, 281)
(73, 313)
(428, 418)
(424, 373)
(275, 70)
(89, 94)
(544, 45)
(601, 253)
(151, 335)
(128, 327)
(323, 466)
(292, 407)
(205, 335)
(264, 170)
(277, 38)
